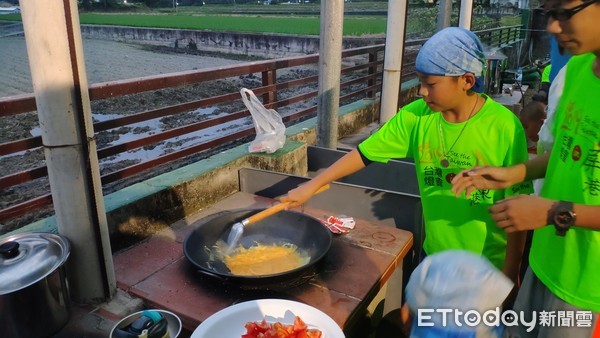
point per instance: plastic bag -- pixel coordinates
(270, 130)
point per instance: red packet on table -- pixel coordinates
(336, 229)
(343, 221)
(339, 225)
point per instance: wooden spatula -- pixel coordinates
(237, 230)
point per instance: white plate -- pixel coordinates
(230, 322)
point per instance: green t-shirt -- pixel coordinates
(546, 73)
(494, 136)
(570, 266)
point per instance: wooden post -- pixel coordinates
(269, 78)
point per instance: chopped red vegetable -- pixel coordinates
(279, 330)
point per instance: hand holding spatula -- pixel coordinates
(237, 230)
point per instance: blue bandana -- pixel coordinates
(453, 51)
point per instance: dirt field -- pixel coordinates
(105, 61)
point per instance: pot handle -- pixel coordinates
(9, 250)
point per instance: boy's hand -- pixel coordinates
(523, 212)
(299, 195)
(493, 178)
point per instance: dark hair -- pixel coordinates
(534, 110)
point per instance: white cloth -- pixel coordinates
(456, 280)
(546, 139)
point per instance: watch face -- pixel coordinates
(563, 218)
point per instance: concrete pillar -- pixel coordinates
(55, 52)
(466, 12)
(394, 51)
(444, 14)
(330, 67)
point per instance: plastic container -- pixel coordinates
(125, 329)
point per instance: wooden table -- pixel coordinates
(349, 277)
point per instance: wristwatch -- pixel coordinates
(562, 216)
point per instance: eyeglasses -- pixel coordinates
(562, 14)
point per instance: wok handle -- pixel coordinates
(214, 275)
(276, 208)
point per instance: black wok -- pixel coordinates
(306, 232)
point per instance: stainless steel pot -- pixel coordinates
(34, 298)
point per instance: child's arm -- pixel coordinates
(496, 178)
(588, 216)
(526, 212)
(515, 245)
(348, 164)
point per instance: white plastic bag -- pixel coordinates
(270, 130)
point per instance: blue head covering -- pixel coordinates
(453, 51)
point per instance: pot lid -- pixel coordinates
(29, 257)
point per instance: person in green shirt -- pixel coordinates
(564, 274)
(451, 128)
(542, 94)
(546, 74)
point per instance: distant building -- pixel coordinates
(513, 3)
(495, 3)
(10, 10)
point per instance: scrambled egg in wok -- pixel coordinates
(262, 260)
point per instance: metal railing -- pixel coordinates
(362, 79)
(11, 29)
(500, 37)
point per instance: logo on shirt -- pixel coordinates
(576, 154)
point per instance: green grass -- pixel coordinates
(248, 8)
(273, 19)
(10, 17)
(300, 25)
(510, 20)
